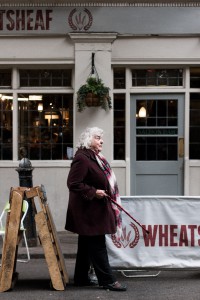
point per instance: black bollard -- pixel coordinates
(25, 180)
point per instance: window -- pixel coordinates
(5, 78)
(45, 78)
(195, 77)
(45, 125)
(194, 126)
(45, 118)
(157, 112)
(119, 126)
(156, 129)
(157, 77)
(6, 106)
(119, 78)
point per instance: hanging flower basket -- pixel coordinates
(93, 93)
(92, 100)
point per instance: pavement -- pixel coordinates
(67, 240)
(34, 284)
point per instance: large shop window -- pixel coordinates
(119, 126)
(157, 77)
(195, 126)
(45, 125)
(45, 116)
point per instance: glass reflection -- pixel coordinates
(45, 125)
(6, 124)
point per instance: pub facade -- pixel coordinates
(146, 52)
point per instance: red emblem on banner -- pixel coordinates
(128, 238)
(80, 20)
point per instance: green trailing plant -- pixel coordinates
(93, 93)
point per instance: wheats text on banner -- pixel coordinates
(172, 236)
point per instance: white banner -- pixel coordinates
(174, 234)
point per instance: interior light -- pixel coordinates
(35, 97)
(142, 112)
(40, 107)
(22, 99)
(4, 97)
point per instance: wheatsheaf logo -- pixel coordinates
(80, 20)
(129, 237)
(159, 236)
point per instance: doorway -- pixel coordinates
(157, 144)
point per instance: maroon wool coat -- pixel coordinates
(86, 214)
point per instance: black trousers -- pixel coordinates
(92, 250)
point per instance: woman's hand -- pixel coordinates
(100, 194)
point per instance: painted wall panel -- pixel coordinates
(124, 20)
(143, 49)
(36, 48)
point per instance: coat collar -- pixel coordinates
(87, 152)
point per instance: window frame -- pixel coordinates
(15, 89)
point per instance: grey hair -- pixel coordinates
(87, 135)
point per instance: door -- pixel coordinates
(157, 144)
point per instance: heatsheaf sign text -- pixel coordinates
(21, 19)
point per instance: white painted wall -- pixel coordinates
(23, 50)
(159, 50)
(194, 178)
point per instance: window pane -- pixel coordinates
(157, 112)
(45, 78)
(156, 132)
(157, 77)
(5, 78)
(119, 126)
(6, 142)
(119, 78)
(194, 126)
(195, 77)
(156, 148)
(45, 126)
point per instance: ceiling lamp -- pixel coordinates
(142, 112)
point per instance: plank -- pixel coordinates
(50, 255)
(52, 228)
(31, 192)
(9, 254)
(57, 244)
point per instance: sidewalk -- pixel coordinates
(68, 243)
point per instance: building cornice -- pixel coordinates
(93, 37)
(102, 3)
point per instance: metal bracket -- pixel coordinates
(123, 272)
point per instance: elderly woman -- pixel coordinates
(90, 214)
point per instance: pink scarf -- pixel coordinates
(110, 175)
